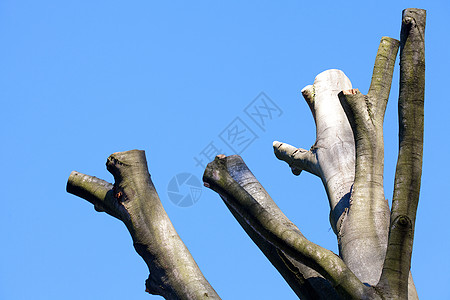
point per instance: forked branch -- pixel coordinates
(332, 157)
(133, 199)
(348, 155)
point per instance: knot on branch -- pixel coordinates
(408, 21)
(402, 222)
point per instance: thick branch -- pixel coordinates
(363, 237)
(383, 70)
(272, 225)
(133, 199)
(409, 164)
(304, 281)
(332, 157)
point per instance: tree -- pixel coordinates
(375, 241)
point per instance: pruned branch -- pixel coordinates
(383, 69)
(253, 205)
(365, 230)
(332, 157)
(304, 281)
(297, 158)
(133, 199)
(409, 164)
(98, 192)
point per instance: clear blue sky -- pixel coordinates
(80, 80)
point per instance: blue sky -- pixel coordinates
(80, 80)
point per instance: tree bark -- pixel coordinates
(394, 278)
(304, 281)
(254, 206)
(375, 244)
(346, 123)
(364, 234)
(133, 199)
(332, 157)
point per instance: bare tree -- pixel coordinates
(375, 241)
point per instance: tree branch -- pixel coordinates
(96, 191)
(297, 158)
(252, 203)
(409, 164)
(306, 283)
(332, 157)
(383, 69)
(364, 234)
(133, 200)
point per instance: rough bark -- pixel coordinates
(304, 281)
(254, 206)
(364, 234)
(353, 180)
(133, 199)
(395, 274)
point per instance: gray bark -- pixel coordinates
(133, 199)
(375, 243)
(332, 157)
(364, 234)
(408, 173)
(230, 178)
